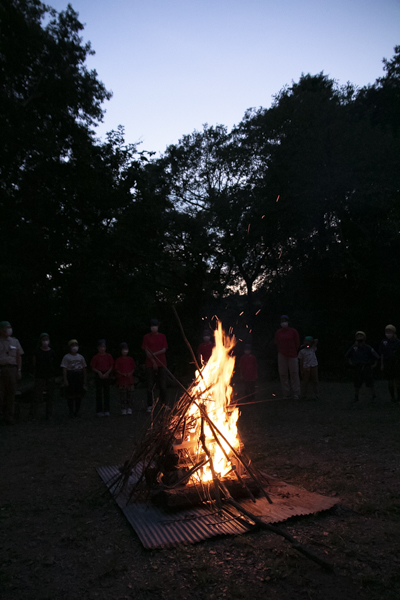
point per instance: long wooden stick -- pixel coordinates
(229, 460)
(214, 476)
(295, 544)
(185, 339)
(250, 471)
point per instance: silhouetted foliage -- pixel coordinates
(296, 209)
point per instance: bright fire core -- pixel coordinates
(212, 388)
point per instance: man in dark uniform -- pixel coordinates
(10, 371)
(363, 359)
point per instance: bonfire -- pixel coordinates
(192, 453)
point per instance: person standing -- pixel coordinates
(44, 369)
(205, 349)
(248, 373)
(363, 359)
(309, 365)
(388, 350)
(10, 371)
(287, 341)
(74, 377)
(102, 364)
(124, 367)
(155, 345)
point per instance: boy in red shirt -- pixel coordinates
(248, 373)
(205, 349)
(124, 367)
(287, 340)
(155, 345)
(102, 364)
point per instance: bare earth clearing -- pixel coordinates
(63, 536)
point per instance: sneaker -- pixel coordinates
(129, 411)
(100, 414)
(123, 411)
(149, 409)
(106, 414)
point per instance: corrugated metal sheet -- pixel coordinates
(158, 528)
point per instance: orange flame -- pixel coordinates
(213, 390)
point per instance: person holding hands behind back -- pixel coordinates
(124, 368)
(102, 364)
(74, 377)
(309, 365)
(155, 345)
(288, 341)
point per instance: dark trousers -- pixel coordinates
(8, 387)
(158, 376)
(43, 386)
(126, 397)
(74, 391)
(363, 374)
(102, 392)
(391, 372)
(249, 391)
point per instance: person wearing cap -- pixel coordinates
(155, 346)
(287, 341)
(205, 349)
(124, 367)
(363, 359)
(309, 365)
(389, 349)
(248, 373)
(74, 377)
(44, 371)
(102, 365)
(10, 371)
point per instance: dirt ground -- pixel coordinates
(63, 535)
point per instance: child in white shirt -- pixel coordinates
(309, 365)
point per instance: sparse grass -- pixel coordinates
(66, 538)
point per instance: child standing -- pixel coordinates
(363, 359)
(102, 364)
(74, 377)
(388, 349)
(309, 365)
(124, 368)
(43, 364)
(248, 373)
(205, 349)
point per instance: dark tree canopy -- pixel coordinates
(296, 209)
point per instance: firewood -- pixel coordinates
(190, 495)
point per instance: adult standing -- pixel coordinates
(388, 350)
(155, 345)
(10, 370)
(45, 372)
(287, 341)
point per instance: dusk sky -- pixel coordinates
(173, 65)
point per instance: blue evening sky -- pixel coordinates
(175, 64)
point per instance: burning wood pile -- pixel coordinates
(191, 454)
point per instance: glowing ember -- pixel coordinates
(213, 391)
